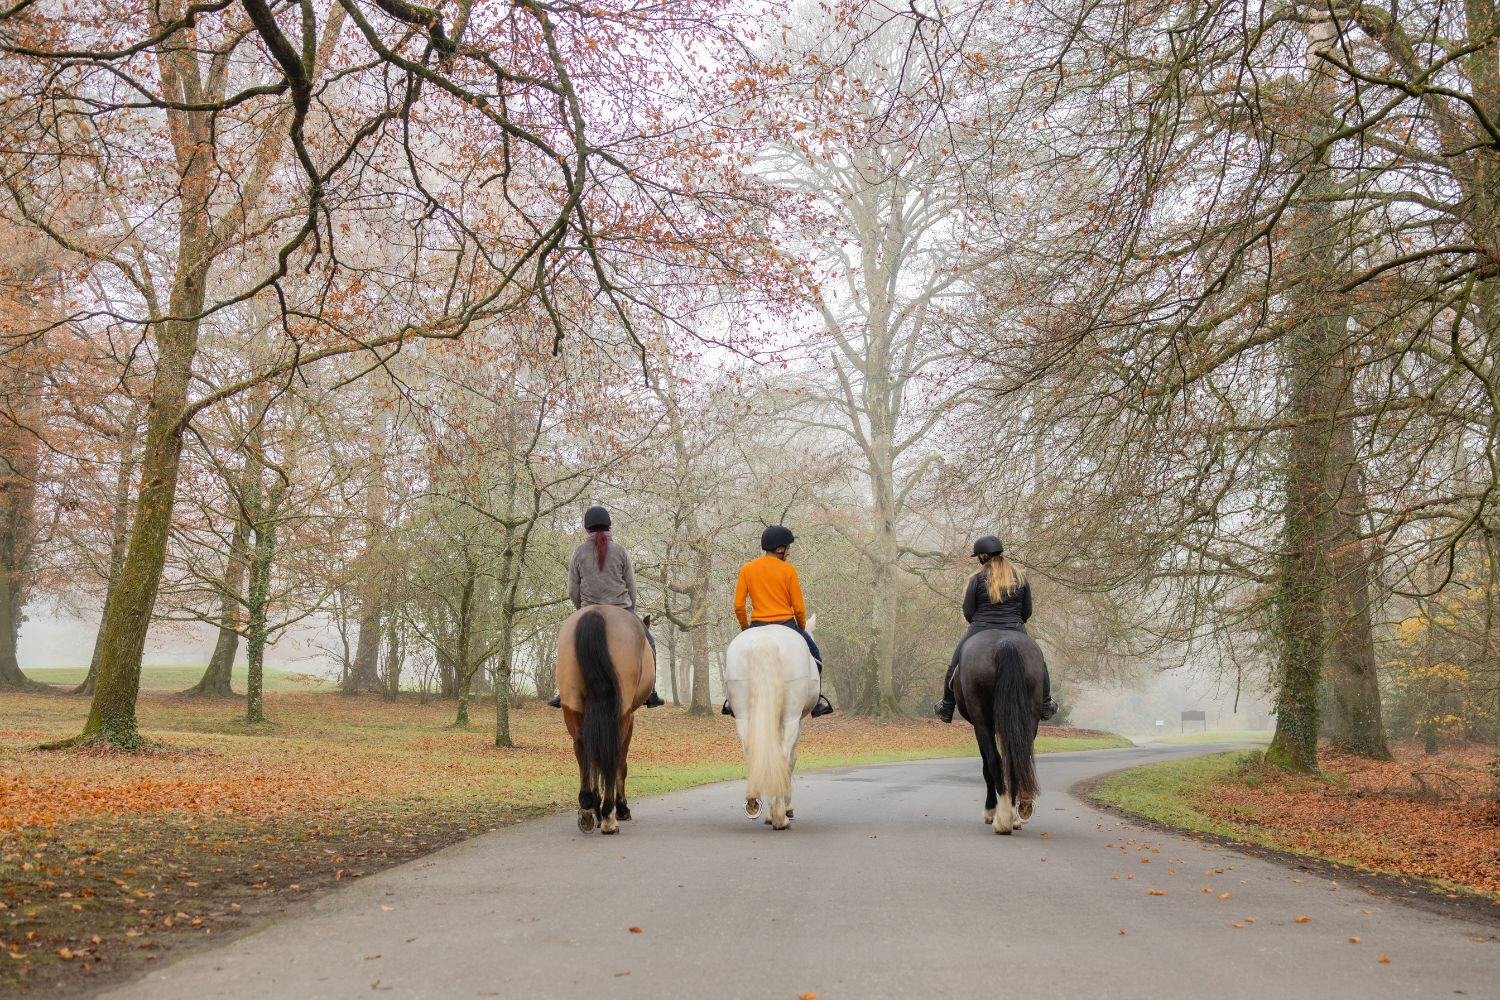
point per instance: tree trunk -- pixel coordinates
(365, 672)
(258, 595)
(1309, 350)
(129, 607)
(462, 666)
(394, 655)
(1355, 726)
(698, 634)
(18, 469)
(671, 637)
(504, 657)
(119, 530)
(216, 679)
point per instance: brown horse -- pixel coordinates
(605, 671)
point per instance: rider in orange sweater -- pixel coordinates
(774, 593)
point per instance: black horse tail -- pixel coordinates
(1015, 722)
(601, 704)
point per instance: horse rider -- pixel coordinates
(600, 573)
(997, 596)
(774, 593)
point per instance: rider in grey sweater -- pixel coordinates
(600, 573)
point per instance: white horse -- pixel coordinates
(772, 684)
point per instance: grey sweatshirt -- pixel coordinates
(614, 584)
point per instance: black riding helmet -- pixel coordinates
(596, 519)
(775, 537)
(989, 545)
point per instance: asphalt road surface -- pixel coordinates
(887, 885)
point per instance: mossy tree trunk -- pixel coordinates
(119, 526)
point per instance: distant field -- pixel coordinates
(1228, 736)
(178, 678)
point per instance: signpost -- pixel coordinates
(1193, 715)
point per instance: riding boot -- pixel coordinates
(944, 709)
(654, 700)
(1049, 707)
(726, 710)
(555, 701)
(823, 706)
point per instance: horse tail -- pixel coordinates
(600, 732)
(1014, 722)
(767, 774)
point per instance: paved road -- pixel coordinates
(887, 885)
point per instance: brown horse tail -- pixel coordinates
(600, 732)
(1015, 722)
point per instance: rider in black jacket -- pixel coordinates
(1004, 602)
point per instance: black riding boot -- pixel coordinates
(654, 700)
(823, 706)
(944, 709)
(555, 701)
(1049, 707)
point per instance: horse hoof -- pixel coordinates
(586, 821)
(609, 827)
(784, 826)
(752, 808)
(1002, 831)
(623, 815)
(1024, 808)
(989, 817)
(788, 814)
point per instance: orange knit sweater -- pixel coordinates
(774, 592)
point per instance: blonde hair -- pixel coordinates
(1002, 579)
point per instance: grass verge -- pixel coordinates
(110, 861)
(1367, 815)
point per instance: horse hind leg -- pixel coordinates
(989, 757)
(588, 799)
(622, 808)
(1005, 819)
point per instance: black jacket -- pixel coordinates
(1009, 612)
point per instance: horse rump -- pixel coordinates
(600, 730)
(1015, 722)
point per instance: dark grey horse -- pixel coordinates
(999, 691)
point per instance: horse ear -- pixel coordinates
(812, 623)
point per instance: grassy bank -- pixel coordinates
(108, 861)
(1428, 817)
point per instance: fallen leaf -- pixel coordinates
(386, 909)
(1156, 892)
(635, 930)
(1224, 895)
(371, 958)
(1385, 959)
(1122, 932)
(807, 996)
(1354, 940)
(65, 953)
(1302, 920)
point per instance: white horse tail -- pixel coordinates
(767, 774)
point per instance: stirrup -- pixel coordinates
(944, 710)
